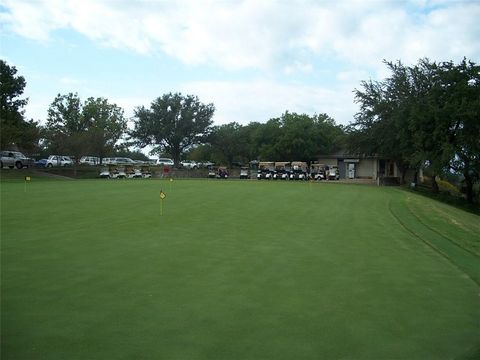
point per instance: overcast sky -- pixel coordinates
(253, 59)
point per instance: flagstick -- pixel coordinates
(162, 197)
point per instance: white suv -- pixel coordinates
(58, 160)
(165, 161)
(90, 160)
(14, 158)
(189, 164)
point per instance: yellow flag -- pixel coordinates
(27, 178)
(162, 195)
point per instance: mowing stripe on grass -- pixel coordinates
(460, 257)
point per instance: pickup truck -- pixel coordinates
(15, 159)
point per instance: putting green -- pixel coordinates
(235, 270)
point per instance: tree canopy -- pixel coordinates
(290, 137)
(78, 128)
(423, 115)
(16, 131)
(172, 124)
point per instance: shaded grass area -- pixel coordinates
(232, 270)
(447, 198)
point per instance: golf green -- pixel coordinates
(103, 269)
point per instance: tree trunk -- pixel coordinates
(404, 173)
(435, 188)
(415, 177)
(469, 190)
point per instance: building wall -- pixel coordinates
(328, 161)
(366, 168)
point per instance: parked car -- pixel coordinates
(206, 164)
(165, 162)
(124, 161)
(189, 164)
(15, 159)
(59, 160)
(118, 161)
(41, 163)
(90, 160)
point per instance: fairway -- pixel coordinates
(235, 270)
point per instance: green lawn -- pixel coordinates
(235, 270)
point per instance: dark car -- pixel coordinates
(41, 163)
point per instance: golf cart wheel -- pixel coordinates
(18, 165)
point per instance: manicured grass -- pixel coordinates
(235, 270)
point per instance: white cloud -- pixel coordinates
(296, 40)
(260, 100)
(261, 35)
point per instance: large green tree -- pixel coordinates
(106, 125)
(15, 130)
(453, 105)
(173, 124)
(77, 129)
(423, 115)
(227, 143)
(382, 127)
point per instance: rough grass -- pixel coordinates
(234, 270)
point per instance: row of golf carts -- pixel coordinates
(125, 172)
(296, 170)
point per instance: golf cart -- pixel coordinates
(317, 171)
(299, 171)
(282, 170)
(333, 173)
(222, 173)
(104, 173)
(132, 173)
(212, 172)
(244, 173)
(266, 170)
(112, 172)
(120, 173)
(145, 171)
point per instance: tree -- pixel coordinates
(173, 124)
(425, 114)
(16, 131)
(106, 125)
(302, 137)
(227, 143)
(454, 105)
(77, 129)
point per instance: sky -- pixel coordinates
(253, 59)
